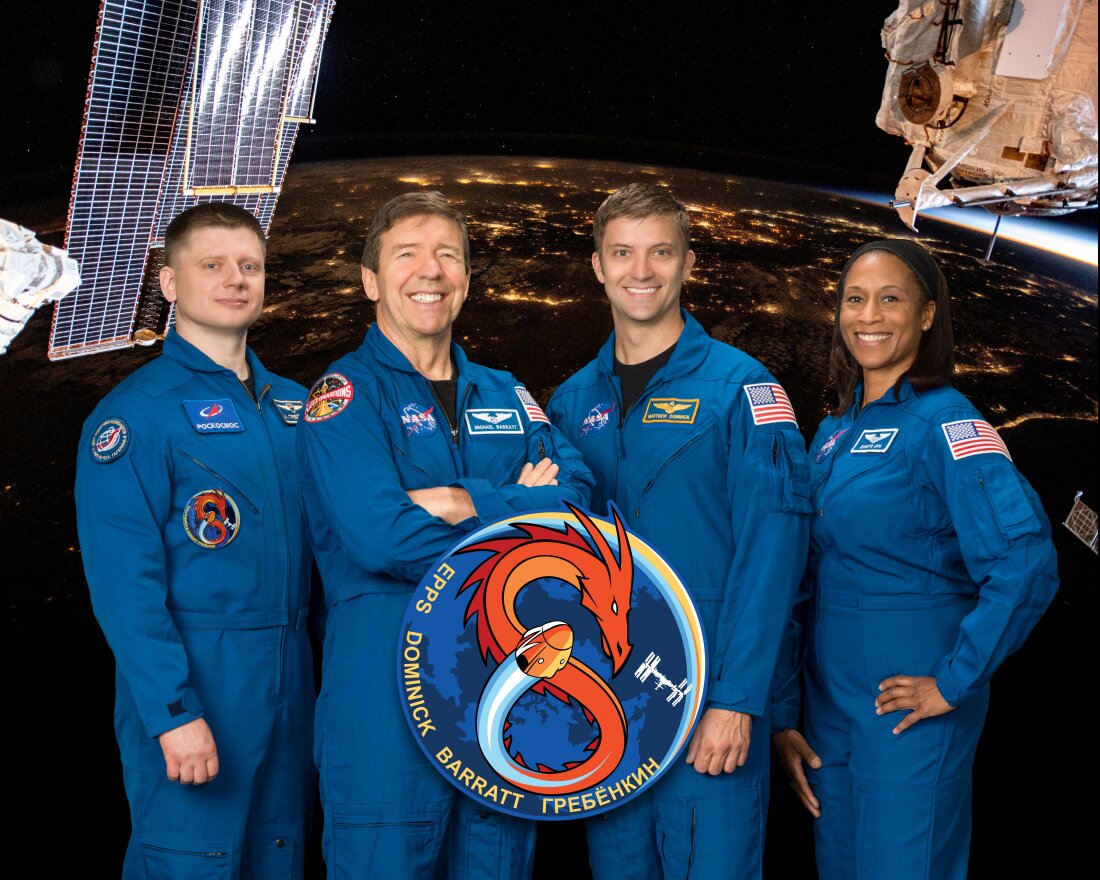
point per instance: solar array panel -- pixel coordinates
(188, 101)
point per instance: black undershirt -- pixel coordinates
(446, 395)
(635, 377)
(249, 385)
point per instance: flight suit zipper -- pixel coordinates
(285, 522)
(621, 442)
(214, 473)
(833, 456)
(673, 457)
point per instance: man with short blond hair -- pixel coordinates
(198, 565)
(679, 432)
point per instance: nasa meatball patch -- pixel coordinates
(552, 665)
(597, 419)
(329, 397)
(110, 440)
(418, 420)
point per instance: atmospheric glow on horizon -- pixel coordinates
(1080, 245)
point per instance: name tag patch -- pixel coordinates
(213, 416)
(493, 421)
(670, 410)
(875, 440)
(289, 410)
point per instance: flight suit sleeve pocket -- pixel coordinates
(1002, 509)
(792, 471)
(1010, 502)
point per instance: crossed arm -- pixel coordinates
(453, 504)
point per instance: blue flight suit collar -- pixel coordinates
(193, 358)
(377, 348)
(904, 393)
(691, 349)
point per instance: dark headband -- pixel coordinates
(909, 252)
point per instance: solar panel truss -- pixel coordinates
(189, 101)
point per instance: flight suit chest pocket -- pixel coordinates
(664, 452)
(500, 458)
(884, 478)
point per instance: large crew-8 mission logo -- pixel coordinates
(552, 665)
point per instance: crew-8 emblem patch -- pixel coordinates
(110, 440)
(552, 665)
(211, 519)
(328, 397)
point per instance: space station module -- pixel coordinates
(998, 100)
(31, 273)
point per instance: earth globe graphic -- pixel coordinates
(768, 258)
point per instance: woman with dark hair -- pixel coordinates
(930, 562)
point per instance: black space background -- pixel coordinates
(781, 91)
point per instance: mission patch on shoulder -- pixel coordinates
(329, 397)
(110, 440)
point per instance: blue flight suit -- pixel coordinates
(726, 501)
(930, 556)
(373, 430)
(195, 548)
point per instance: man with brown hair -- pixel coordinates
(398, 469)
(697, 445)
(197, 559)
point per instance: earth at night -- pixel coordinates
(768, 258)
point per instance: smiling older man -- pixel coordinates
(398, 470)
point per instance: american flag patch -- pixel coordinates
(972, 437)
(530, 405)
(769, 403)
